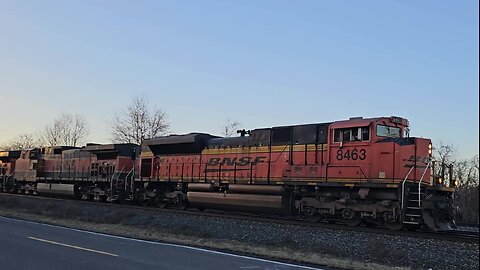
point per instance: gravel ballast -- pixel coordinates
(319, 246)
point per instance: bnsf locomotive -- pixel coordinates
(356, 170)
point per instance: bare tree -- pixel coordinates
(139, 122)
(67, 130)
(20, 142)
(466, 171)
(467, 195)
(444, 155)
(230, 128)
(472, 172)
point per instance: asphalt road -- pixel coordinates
(30, 245)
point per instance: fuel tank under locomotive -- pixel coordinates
(257, 198)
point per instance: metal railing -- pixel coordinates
(403, 185)
(420, 182)
(7, 178)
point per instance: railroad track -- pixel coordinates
(455, 235)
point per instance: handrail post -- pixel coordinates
(183, 167)
(251, 172)
(219, 173)
(403, 184)
(205, 174)
(235, 173)
(420, 182)
(193, 165)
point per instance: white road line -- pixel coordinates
(70, 246)
(165, 244)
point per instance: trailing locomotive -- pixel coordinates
(356, 170)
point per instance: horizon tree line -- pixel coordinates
(139, 121)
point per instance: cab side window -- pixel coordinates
(346, 135)
(337, 135)
(356, 134)
(365, 134)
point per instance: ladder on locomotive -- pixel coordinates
(411, 199)
(8, 182)
(122, 187)
(412, 212)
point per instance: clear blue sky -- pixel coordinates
(263, 63)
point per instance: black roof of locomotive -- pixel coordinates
(229, 142)
(195, 142)
(191, 143)
(11, 154)
(280, 135)
(178, 139)
(121, 149)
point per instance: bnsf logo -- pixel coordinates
(425, 160)
(243, 161)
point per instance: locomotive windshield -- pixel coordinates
(387, 131)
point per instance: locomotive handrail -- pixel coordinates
(6, 177)
(126, 178)
(279, 154)
(403, 184)
(420, 182)
(11, 175)
(118, 172)
(112, 178)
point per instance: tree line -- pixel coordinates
(466, 172)
(137, 122)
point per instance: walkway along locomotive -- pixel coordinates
(356, 170)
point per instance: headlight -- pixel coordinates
(440, 180)
(429, 146)
(456, 183)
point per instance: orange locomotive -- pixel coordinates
(357, 170)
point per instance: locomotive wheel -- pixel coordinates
(353, 222)
(310, 214)
(160, 202)
(180, 202)
(351, 217)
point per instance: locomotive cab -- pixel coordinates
(379, 152)
(368, 149)
(27, 164)
(7, 168)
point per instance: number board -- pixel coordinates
(352, 154)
